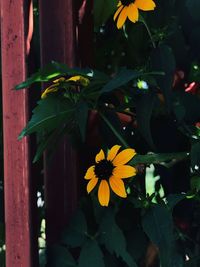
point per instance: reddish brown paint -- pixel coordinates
(85, 33)
(30, 28)
(58, 42)
(16, 153)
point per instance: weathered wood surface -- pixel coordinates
(15, 115)
(58, 43)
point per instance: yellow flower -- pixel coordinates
(129, 8)
(55, 86)
(50, 89)
(59, 80)
(109, 172)
(82, 80)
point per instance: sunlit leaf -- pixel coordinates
(53, 70)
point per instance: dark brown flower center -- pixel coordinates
(103, 169)
(127, 2)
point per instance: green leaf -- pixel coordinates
(179, 111)
(75, 234)
(59, 256)
(194, 8)
(91, 255)
(81, 117)
(113, 238)
(111, 260)
(49, 114)
(195, 156)
(158, 225)
(190, 105)
(103, 9)
(144, 107)
(137, 242)
(2, 258)
(194, 74)
(45, 74)
(49, 142)
(120, 79)
(2, 234)
(53, 70)
(162, 59)
(195, 183)
(42, 258)
(110, 128)
(159, 158)
(174, 199)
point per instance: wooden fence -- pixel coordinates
(64, 26)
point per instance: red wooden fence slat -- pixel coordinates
(58, 42)
(16, 153)
(85, 33)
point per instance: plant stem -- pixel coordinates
(121, 139)
(148, 30)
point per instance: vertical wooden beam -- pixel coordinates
(58, 42)
(58, 31)
(85, 33)
(16, 153)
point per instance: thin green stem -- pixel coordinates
(121, 139)
(148, 30)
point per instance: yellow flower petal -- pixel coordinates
(100, 156)
(91, 184)
(133, 14)
(119, 4)
(74, 78)
(104, 193)
(145, 5)
(90, 173)
(61, 79)
(124, 171)
(117, 186)
(78, 78)
(124, 156)
(50, 89)
(113, 152)
(117, 12)
(122, 17)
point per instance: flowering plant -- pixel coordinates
(144, 96)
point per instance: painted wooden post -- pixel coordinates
(58, 42)
(85, 33)
(14, 17)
